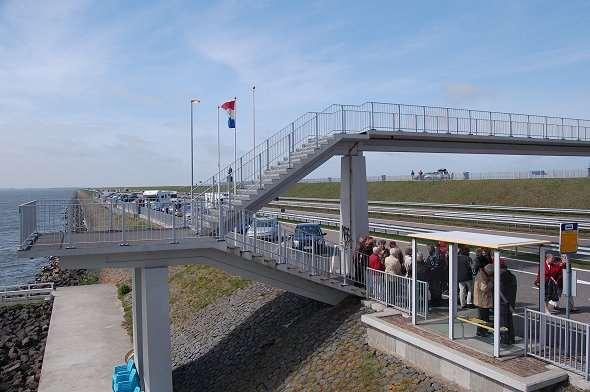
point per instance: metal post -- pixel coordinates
(123, 224)
(343, 265)
(469, 111)
(568, 288)
(542, 253)
(317, 131)
(373, 119)
(526, 331)
(497, 303)
(587, 351)
(399, 113)
(343, 119)
(149, 214)
(452, 289)
(578, 129)
(267, 155)
(313, 263)
(491, 125)
(562, 129)
(510, 119)
(545, 133)
(255, 234)
(424, 118)
(414, 271)
(241, 172)
(174, 226)
(260, 169)
(110, 216)
(290, 145)
(528, 125)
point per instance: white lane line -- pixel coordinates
(584, 282)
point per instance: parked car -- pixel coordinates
(266, 229)
(307, 235)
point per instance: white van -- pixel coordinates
(157, 199)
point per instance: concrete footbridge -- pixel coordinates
(92, 233)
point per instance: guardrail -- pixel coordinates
(27, 214)
(450, 206)
(560, 341)
(466, 175)
(27, 292)
(425, 215)
(396, 291)
(312, 127)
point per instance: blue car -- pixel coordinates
(307, 235)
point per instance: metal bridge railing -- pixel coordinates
(27, 214)
(560, 341)
(396, 291)
(26, 292)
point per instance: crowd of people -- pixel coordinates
(475, 277)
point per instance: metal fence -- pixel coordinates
(499, 175)
(396, 291)
(560, 341)
(26, 292)
(71, 223)
(27, 214)
(313, 129)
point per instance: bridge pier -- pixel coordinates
(151, 328)
(354, 215)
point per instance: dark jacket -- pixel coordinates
(508, 287)
(464, 272)
(434, 266)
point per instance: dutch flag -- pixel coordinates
(230, 108)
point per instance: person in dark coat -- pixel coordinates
(465, 277)
(508, 288)
(435, 267)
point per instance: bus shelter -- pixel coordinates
(495, 243)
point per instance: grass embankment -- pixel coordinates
(191, 288)
(554, 193)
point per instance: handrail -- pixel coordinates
(394, 117)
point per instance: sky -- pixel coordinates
(97, 93)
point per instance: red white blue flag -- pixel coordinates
(230, 108)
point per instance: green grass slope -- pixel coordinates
(555, 193)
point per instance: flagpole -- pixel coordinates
(218, 178)
(218, 159)
(254, 124)
(235, 138)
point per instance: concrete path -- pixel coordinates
(85, 340)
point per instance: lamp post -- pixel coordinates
(193, 215)
(193, 101)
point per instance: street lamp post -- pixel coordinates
(193, 216)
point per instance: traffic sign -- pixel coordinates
(568, 237)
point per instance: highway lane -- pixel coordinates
(429, 226)
(536, 220)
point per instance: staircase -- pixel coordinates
(271, 181)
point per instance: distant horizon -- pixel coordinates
(100, 92)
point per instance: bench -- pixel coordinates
(480, 323)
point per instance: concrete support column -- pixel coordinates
(137, 317)
(157, 366)
(354, 216)
(452, 289)
(496, 303)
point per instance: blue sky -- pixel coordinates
(96, 93)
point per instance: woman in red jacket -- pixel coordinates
(553, 282)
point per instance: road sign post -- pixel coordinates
(568, 246)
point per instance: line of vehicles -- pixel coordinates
(306, 237)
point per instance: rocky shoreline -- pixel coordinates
(23, 334)
(52, 272)
(264, 339)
